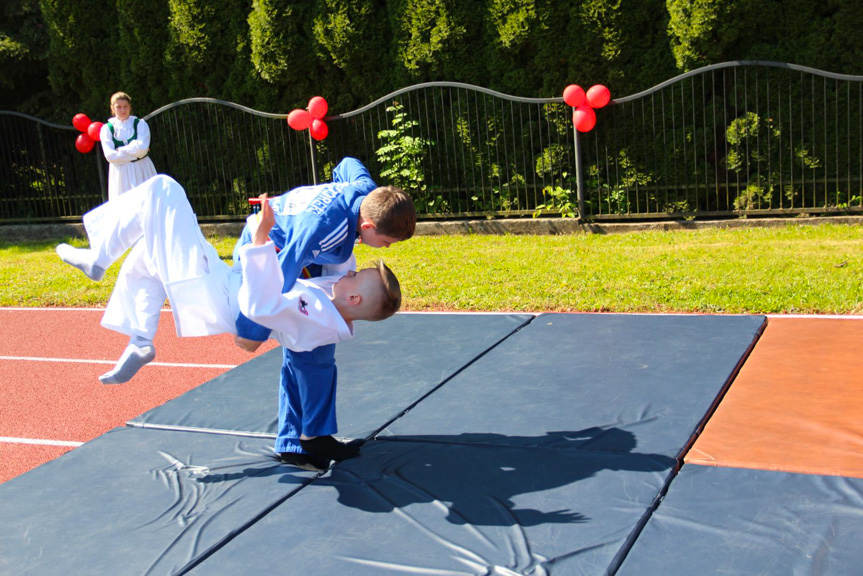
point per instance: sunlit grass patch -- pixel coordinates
(788, 269)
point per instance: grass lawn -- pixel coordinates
(791, 269)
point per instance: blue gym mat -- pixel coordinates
(387, 367)
(138, 502)
(432, 508)
(752, 522)
(514, 445)
(615, 383)
(232, 402)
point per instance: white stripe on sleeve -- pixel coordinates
(335, 237)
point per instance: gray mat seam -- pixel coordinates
(708, 414)
(181, 428)
(636, 533)
(219, 431)
(470, 363)
(234, 533)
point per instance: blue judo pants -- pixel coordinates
(307, 396)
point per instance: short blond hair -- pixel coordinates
(390, 297)
(120, 96)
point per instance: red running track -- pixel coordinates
(52, 400)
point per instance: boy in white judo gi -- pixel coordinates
(171, 258)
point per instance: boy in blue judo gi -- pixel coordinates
(316, 225)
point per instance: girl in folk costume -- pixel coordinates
(126, 143)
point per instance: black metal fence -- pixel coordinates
(42, 176)
(739, 138)
(223, 153)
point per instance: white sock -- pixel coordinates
(140, 341)
(137, 354)
(82, 259)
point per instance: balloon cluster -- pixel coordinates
(583, 117)
(89, 132)
(312, 118)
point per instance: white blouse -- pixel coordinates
(128, 165)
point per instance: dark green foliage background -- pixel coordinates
(60, 57)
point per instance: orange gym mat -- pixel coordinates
(796, 405)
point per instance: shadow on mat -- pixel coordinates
(486, 479)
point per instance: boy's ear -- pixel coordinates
(355, 299)
(367, 224)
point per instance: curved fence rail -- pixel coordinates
(733, 138)
(223, 154)
(738, 137)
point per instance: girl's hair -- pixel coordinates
(120, 96)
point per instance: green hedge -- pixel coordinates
(273, 55)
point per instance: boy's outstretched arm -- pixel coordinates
(260, 225)
(351, 170)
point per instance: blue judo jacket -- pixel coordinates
(314, 225)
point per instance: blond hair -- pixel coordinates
(390, 295)
(391, 210)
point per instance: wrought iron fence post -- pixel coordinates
(312, 153)
(102, 185)
(579, 176)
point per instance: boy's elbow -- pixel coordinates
(246, 344)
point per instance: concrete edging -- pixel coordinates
(521, 226)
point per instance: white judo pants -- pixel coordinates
(156, 220)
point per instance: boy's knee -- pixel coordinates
(166, 187)
(162, 180)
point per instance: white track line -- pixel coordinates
(9, 440)
(58, 309)
(52, 309)
(112, 362)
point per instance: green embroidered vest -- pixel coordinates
(118, 143)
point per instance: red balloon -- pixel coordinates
(93, 131)
(318, 107)
(299, 119)
(84, 143)
(574, 95)
(598, 96)
(81, 122)
(319, 129)
(584, 118)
